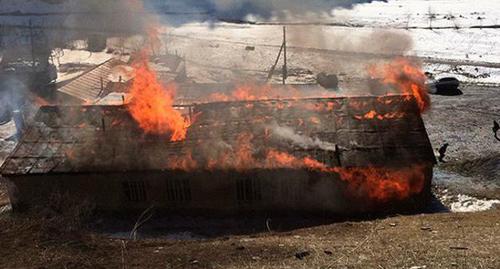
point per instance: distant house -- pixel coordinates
(99, 154)
(114, 76)
(89, 86)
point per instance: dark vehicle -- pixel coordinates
(328, 81)
(444, 86)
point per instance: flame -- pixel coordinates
(252, 92)
(383, 184)
(153, 38)
(247, 92)
(152, 104)
(315, 120)
(330, 106)
(152, 108)
(184, 162)
(372, 114)
(377, 183)
(407, 77)
(277, 159)
(217, 96)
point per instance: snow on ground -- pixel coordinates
(396, 27)
(465, 203)
(469, 45)
(72, 63)
(416, 13)
(460, 193)
(466, 73)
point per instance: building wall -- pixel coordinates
(281, 190)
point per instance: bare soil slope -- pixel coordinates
(445, 240)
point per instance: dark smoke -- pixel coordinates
(263, 9)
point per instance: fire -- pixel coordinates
(252, 92)
(407, 77)
(276, 159)
(383, 184)
(377, 183)
(315, 120)
(247, 92)
(152, 104)
(184, 162)
(372, 114)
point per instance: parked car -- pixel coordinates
(448, 86)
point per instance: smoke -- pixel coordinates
(111, 16)
(305, 142)
(239, 9)
(262, 9)
(12, 95)
(381, 41)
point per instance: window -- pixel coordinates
(248, 189)
(135, 190)
(178, 190)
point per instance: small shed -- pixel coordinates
(99, 154)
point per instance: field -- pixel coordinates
(444, 240)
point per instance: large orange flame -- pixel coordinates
(377, 183)
(406, 76)
(152, 104)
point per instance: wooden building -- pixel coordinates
(99, 154)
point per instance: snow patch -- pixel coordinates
(467, 203)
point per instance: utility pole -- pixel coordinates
(285, 71)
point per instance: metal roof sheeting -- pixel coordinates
(87, 87)
(106, 138)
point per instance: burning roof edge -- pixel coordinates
(122, 109)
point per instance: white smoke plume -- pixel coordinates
(287, 133)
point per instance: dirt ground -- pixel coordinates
(443, 240)
(465, 122)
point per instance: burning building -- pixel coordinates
(338, 155)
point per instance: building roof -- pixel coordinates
(105, 138)
(199, 92)
(87, 87)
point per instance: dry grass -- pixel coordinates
(4, 197)
(446, 240)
